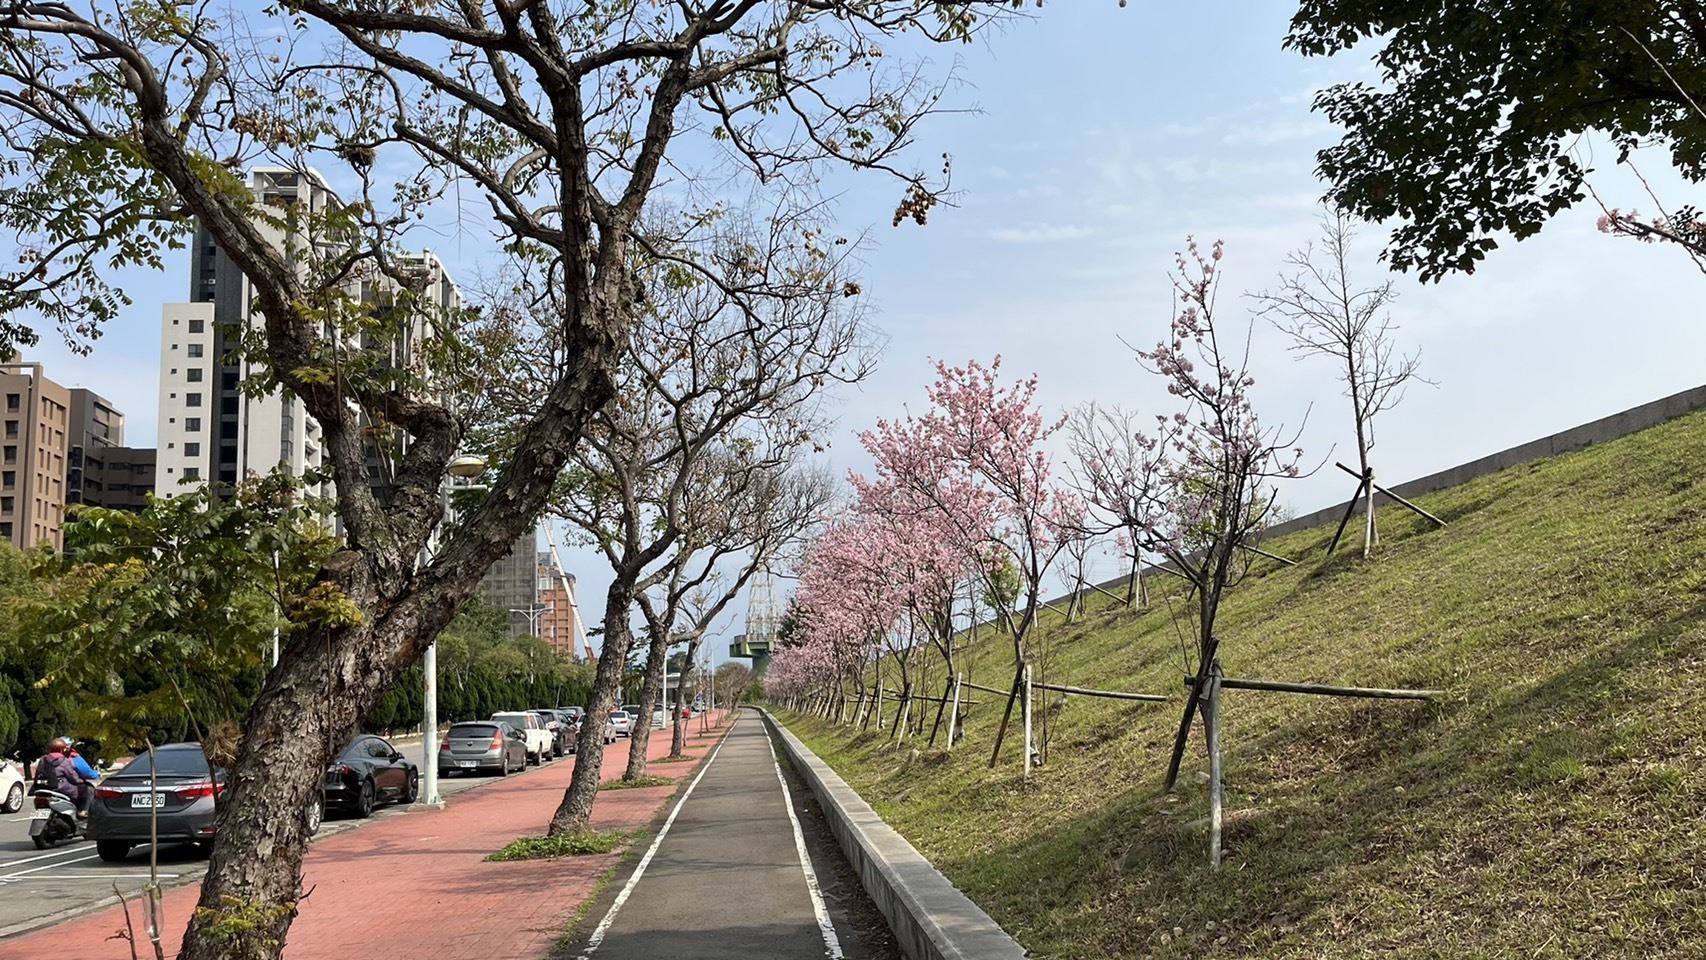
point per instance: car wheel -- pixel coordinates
(15, 798)
(364, 801)
(112, 851)
(503, 766)
(413, 791)
(314, 815)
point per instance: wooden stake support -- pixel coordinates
(1211, 718)
(1270, 556)
(1110, 694)
(1350, 509)
(1392, 495)
(1325, 690)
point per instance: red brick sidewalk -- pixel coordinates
(417, 885)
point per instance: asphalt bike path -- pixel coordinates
(728, 876)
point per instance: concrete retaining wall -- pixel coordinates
(1598, 431)
(930, 918)
(1622, 424)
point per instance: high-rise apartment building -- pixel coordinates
(97, 429)
(211, 428)
(512, 584)
(35, 424)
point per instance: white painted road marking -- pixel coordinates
(831, 943)
(42, 856)
(7, 878)
(598, 933)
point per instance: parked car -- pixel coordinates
(370, 771)
(12, 788)
(660, 718)
(539, 739)
(575, 713)
(562, 735)
(484, 745)
(184, 795)
(571, 728)
(621, 723)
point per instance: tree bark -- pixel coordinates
(575, 810)
(678, 740)
(657, 657)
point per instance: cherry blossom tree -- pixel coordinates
(1117, 467)
(978, 458)
(1220, 461)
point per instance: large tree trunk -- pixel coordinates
(678, 739)
(575, 810)
(657, 656)
(311, 704)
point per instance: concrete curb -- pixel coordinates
(930, 918)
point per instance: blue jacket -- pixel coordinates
(84, 768)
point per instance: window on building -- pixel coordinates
(174, 346)
(192, 473)
(11, 429)
(192, 449)
(9, 454)
(6, 530)
(12, 401)
(192, 424)
(194, 374)
(8, 479)
(195, 350)
(197, 326)
(192, 399)
(8, 504)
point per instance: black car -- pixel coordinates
(562, 735)
(370, 771)
(572, 724)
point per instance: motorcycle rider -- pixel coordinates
(58, 771)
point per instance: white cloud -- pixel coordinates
(1039, 233)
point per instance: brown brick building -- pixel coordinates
(35, 424)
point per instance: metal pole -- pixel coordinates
(429, 728)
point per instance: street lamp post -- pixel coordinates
(464, 468)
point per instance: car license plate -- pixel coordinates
(41, 814)
(467, 763)
(147, 800)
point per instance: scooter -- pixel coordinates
(55, 819)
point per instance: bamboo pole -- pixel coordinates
(1326, 690)
(1350, 508)
(1111, 694)
(1211, 714)
(954, 714)
(1196, 685)
(1270, 556)
(1025, 693)
(1394, 496)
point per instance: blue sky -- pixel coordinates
(1104, 137)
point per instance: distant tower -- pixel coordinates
(763, 622)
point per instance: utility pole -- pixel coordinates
(465, 468)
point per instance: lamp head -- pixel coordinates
(467, 467)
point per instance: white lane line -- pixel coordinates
(13, 876)
(43, 856)
(831, 943)
(598, 933)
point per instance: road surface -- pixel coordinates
(743, 868)
(38, 884)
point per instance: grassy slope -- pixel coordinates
(1550, 808)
